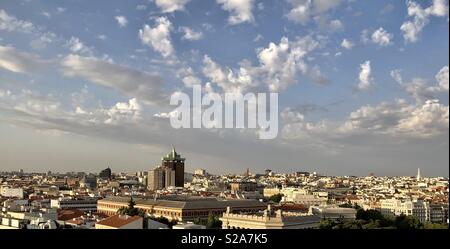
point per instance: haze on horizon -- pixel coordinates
(363, 85)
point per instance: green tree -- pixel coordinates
(213, 222)
(276, 198)
(130, 210)
(407, 222)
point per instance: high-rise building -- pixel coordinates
(169, 174)
(156, 179)
(170, 180)
(105, 174)
(175, 162)
(418, 175)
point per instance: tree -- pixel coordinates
(276, 198)
(130, 210)
(370, 214)
(213, 222)
(407, 222)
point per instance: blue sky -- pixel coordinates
(363, 84)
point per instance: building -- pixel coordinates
(180, 208)
(269, 219)
(175, 162)
(8, 191)
(121, 222)
(243, 186)
(105, 174)
(156, 179)
(188, 226)
(422, 210)
(89, 181)
(200, 172)
(333, 213)
(83, 204)
(169, 174)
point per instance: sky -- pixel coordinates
(363, 85)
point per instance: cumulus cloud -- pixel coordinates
(382, 37)
(240, 10)
(421, 17)
(365, 76)
(11, 23)
(189, 78)
(282, 62)
(122, 21)
(420, 89)
(133, 83)
(77, 46)
(17, 61)
(279, 67)
(158, 36)
(442, 78)
(303, 10)
(168, 6)
(190, 34)
(347, 44)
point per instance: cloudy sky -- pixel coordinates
(363, 85)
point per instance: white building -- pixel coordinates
(7, 191)
(417, 208)
(269, 219)
(85, 204)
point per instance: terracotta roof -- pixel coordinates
(118, 220)
(69, 214)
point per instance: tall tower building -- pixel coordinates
(156, 179)
(418, 175)
(175, 162)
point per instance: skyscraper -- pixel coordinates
(156, 179)
(175, 162)
(418, 175)
(169, 174)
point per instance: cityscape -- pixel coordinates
(167, 197)
(203, 118)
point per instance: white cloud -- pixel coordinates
(442, 78)
(365, 76)
(412, 29)
(19, 62)
(122, 21)
(283, 62)
(241, 10)
(188, 77)
(158, 36)
(347, 44)
(141, 7)
(279, 67)
(77, 46)
(130, 111)
(168, 6)
(303, 10)
(11, 23)
(133, 83)
(190, 34)
(420, 89)
(43, 40)
(382, 37)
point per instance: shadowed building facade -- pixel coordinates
(169, 174)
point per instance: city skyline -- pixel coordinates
(363, 86)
